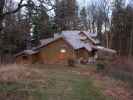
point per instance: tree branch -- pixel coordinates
(20, 5)
(14, 11)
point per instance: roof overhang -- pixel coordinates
(26, 52)
(104, 49)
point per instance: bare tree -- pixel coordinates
(98, 17)
(5, 13)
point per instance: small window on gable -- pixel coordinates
(83, 37)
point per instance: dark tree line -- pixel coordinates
(11, 37)
(16, 20)
(122, 28)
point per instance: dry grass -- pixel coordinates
(15, 73)
(58, 82)
(123, 63)
(121, 69)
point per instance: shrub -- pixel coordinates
(71, 62)
(100, 67)
(123, 76)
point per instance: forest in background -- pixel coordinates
(113, 21)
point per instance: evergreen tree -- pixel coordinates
(44, 28)
(66, 14)
(83, 17)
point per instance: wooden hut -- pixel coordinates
(62, 47)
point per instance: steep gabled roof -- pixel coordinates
(73, 38)
(74, 35)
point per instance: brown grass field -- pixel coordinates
(59, 82)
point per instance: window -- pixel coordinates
(83, 37)
(63, 50)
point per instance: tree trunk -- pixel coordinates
(107, 40)
(131, 44)
(2, 3)
(1, 24)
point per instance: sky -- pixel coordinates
(85, 2)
